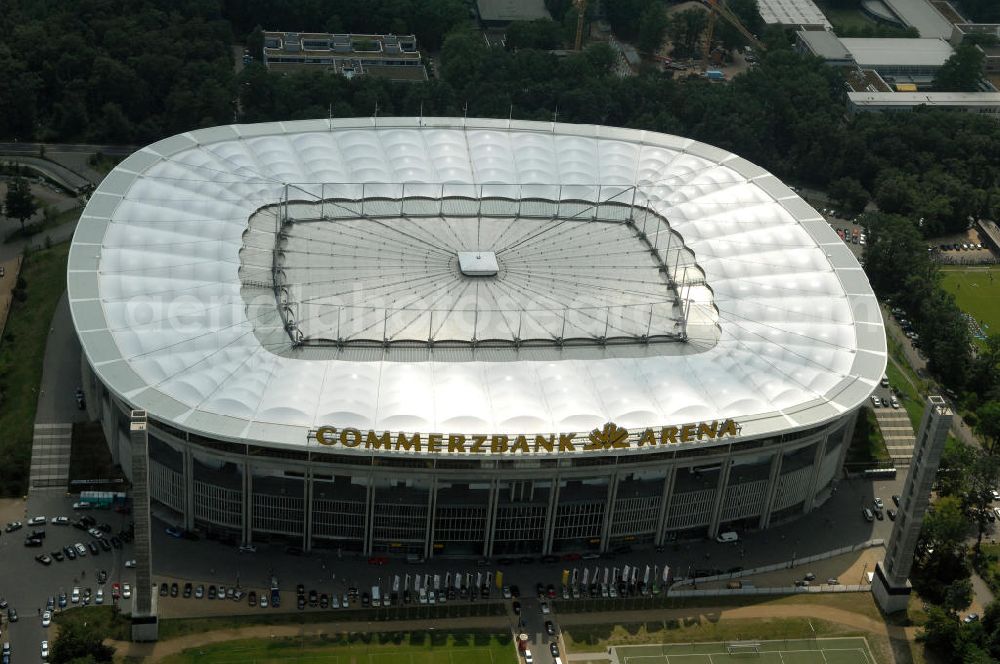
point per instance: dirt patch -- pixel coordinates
(7, 281)
(12, 509)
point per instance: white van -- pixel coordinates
(728, 536)
(376, 596)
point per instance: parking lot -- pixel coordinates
(27, 584)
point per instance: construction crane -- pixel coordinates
(718, 8)
(581, 13)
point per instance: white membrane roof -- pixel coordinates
(158, 298)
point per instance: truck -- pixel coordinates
(715, 75)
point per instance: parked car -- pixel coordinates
(868, 514)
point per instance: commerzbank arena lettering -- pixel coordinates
(609, 437)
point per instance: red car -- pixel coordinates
(115, 591)
(378, 560)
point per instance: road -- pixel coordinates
(65, 177)
(55, 148)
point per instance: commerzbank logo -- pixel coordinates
(610, 437)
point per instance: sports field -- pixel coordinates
(977, 291)
(845, 650)
(257, 651)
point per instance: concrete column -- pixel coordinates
(307, 494)
(431, 507)
(609, 512)
(807, 504)
(773, 481)
(550, 517)
(720, 494)
(491, 518)
(188, 460)
(665, 500)
(247, 502)
(144, 618)
(369, 515)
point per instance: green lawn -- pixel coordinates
(867, 444)
(977, 291)
(22, 350)
(902, 378)
(851, 19)
(393, 648)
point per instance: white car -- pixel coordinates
(995, 493)
(528, 659)
(876, 401)
(60, 521)
(45, 649)
(263, 601)
(82, 505)
(94, 532)
(545, 609)
(130, 563)
(81, 550)
(46, 619)
(126, 591)
(879, 505)
(100, 596)
(36, 521)
(894, 402)
(75, 597)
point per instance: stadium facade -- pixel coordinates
(440, 336)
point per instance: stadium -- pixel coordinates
(469, 337)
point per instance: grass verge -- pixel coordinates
(99, 619)
(867, 443)
(174, 627)
(424, 647)
(58, 219)
(22, 351)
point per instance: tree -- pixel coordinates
(77, 642)
(20, 204)
(685, 30)
(940, 632)
(849, 195)
(962, 71)
(541, 34)
(988, 426)
(946, 526)
(255, 43)
(958, 596)
(652, 28)
(462, 57)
